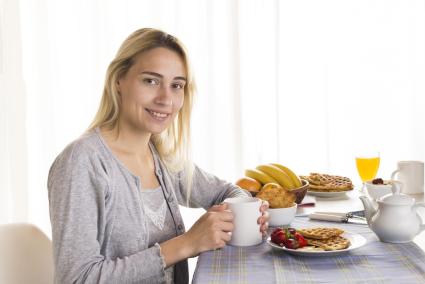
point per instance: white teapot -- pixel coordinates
(395, 220)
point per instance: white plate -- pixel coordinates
(327, 194)
(356, 241)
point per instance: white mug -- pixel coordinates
(411, 174)
(246, 210)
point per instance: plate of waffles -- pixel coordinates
(324, 242)
(325, 185)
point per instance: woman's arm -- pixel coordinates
(208, 233)
(78, 190)
(207, 190)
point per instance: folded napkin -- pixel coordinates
(307, 201)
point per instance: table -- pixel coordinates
(376, 262)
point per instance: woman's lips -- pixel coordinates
(158, 115)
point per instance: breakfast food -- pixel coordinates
(295, 179)
(249, 184)
(332, 243)
(288, 238)
(261, 177)
(380, 181)
(310, 239)
(320, 233)
(279, 175)
(275, 173)
(328, 183)
(277, 196)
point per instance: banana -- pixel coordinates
(282, 178)
(260, 176)
(295, 179)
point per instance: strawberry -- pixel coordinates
(291, 243)
(278, 238)
(291, 231)
(275, 231)
(302, 242)
(288, 238)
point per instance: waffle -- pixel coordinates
(328, 183)
(320, 233)
(332, 243)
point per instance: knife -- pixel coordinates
(354, 214)
(337, 217)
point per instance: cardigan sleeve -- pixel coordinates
(207, 189)
(78, 188)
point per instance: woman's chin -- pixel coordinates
(157, 129)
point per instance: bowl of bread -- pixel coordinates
(278, 185)
(255, 180)
(282, 202)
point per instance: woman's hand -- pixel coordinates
(263, 220)
(211, 231)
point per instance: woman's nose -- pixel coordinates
(164, 96)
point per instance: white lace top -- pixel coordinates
(160, 223)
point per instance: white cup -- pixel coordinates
(246, 210)
(411, 174)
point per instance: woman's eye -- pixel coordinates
(150, 81)
(178, 86)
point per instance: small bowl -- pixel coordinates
(301, 191)
(376, 191)
(282, 216)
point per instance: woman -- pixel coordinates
(114, 192)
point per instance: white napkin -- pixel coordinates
(308, 201)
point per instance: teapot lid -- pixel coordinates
(397, 199)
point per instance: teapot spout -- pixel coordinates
(369, 208)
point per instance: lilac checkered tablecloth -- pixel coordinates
(375, 262)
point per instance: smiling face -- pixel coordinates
(152, 90)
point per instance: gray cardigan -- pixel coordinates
(99, 228)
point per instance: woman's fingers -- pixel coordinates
(226, 236)
(218, 208)
(226, 216)
(264, 227)
(225, 226)
(264, 206)
(266, 216)
(263, 218)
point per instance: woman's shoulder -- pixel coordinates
(88, 148)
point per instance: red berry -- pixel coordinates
(302, 242)
(278, 238)
(291, 243)
(275, 231)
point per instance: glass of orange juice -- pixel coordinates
(367, 166)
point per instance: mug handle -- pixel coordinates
(415, 207)
(394, 173)
(396, 187)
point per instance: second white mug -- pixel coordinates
(411, 174)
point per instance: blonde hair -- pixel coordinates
(173, 144)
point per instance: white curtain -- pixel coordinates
(307, 83)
